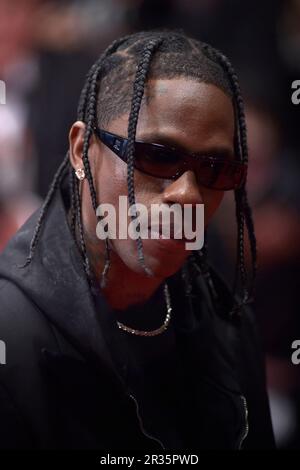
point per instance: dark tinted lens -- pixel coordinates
(156, 160)
(220, 174)
(163, 162)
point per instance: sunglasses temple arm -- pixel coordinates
(118, 145)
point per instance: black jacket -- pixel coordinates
(61, 386)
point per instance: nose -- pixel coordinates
(184, 190)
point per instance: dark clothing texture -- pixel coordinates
(74, 380)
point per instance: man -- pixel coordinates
(135, 344)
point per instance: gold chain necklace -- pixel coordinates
(159, 330)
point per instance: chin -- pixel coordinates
(162, 258)
(162, 266)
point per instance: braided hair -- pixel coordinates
(115, 84)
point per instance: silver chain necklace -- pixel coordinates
(159, 330)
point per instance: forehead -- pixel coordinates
(196, 116)
(186, 109)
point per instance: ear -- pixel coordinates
(76, 138)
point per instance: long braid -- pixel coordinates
(87, 111)
(103, 281)
(80, 230)
(90, 119)
(252, 240)
(240, 217)
(90, 122)
(73, 202)
(138, 91)
(244, 149)
(226, 64)
(54, 185)
(243, 211)
(81, 110)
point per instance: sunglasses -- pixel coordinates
(166, 162)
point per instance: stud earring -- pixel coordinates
(80, 174)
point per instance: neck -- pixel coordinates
(123, 287)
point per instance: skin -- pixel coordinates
(195, 116)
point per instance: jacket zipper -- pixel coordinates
(142, 428)
(145, 433)
(246, 427)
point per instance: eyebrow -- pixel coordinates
(217, 151)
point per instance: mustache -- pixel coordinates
(167, 221)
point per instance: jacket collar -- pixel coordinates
(56, 282)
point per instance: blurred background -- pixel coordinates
(46, 48)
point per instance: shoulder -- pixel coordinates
(25, 332)
(18, 328)
(19, 316)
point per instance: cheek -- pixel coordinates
(212, 201)
(110, 180)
